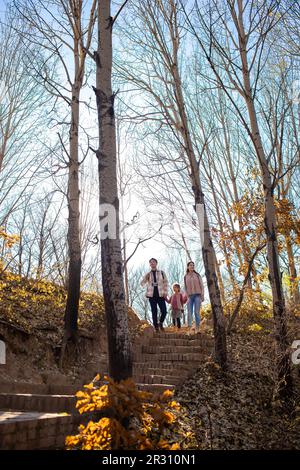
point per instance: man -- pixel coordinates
(157, 291)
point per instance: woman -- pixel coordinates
(195, 291)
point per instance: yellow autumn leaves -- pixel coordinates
(9, 240)
(127, 418)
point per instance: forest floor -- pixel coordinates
(238, 409)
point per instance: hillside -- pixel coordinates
(31, 324)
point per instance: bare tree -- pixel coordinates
(246, 34)
(61, 29)
(24, 113)
(162, 30)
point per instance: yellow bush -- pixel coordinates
(254, 327)
(255, 303)
(132, 419)
(9, 240)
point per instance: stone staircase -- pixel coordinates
(40, 416)
(165, 359)
(36, 416)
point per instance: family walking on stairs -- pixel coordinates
(156, 283)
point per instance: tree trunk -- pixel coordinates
(209, 258)
(125, 272)
(74, 271)
(220, 281)
(41, 247)
(119, 347)
(208, 251)
(279, 311)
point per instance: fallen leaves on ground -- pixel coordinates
(237, 409)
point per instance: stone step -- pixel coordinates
(178, 342)
(174, 335)
(155, 388)
(174, 357)
(171, 349)
(34, 402)
(150, 364)
(188, 340)
(144, 369)
(39, 388)
(33, 430)
(158, 379)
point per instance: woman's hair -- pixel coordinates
(153, 259)
(176, 285)
(187, 268)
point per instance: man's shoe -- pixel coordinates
(161, 327)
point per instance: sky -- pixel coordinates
(149, 248)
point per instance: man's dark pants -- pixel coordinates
(154, 302)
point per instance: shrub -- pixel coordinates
(127, 418)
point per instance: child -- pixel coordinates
(177, 301)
